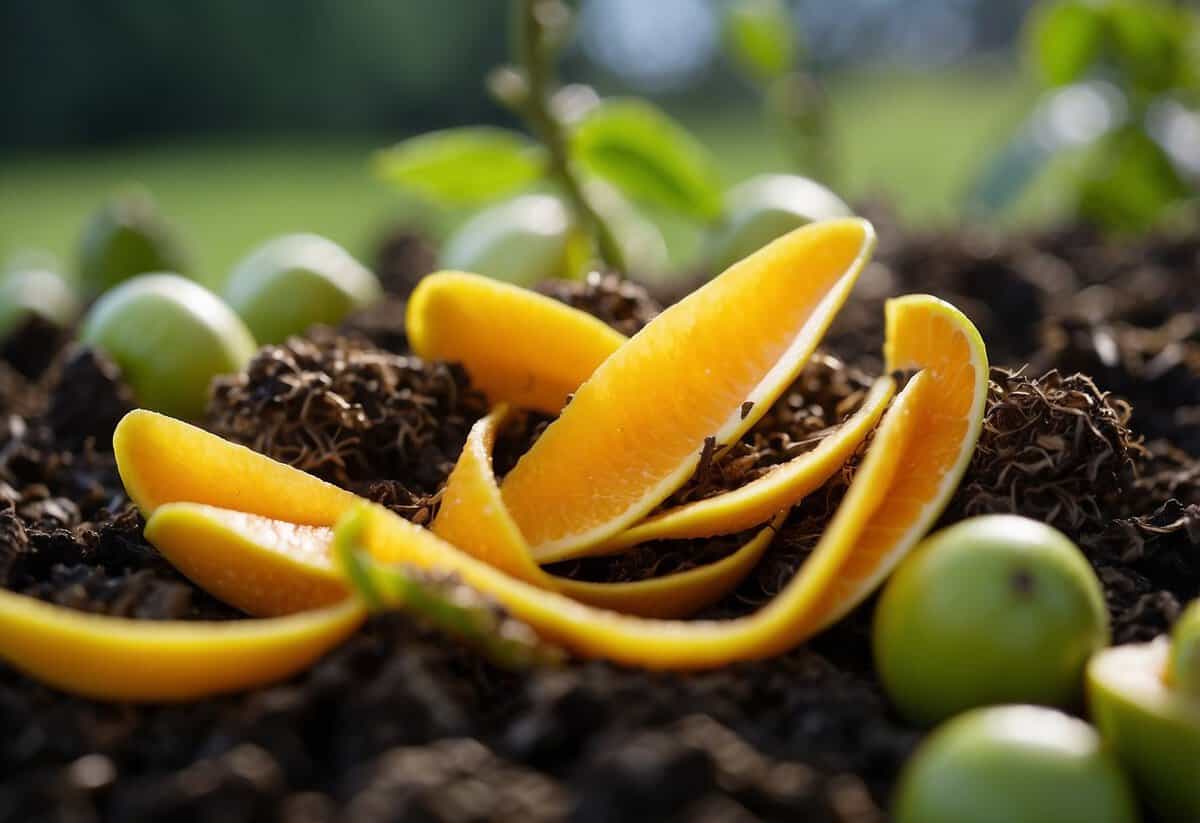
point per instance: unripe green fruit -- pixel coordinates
(523, 241)
(996, 609)
(126, 237)
(35, 292)
(170, 337)
(1153, 728)
(296, 281)
(766, 207)
(1184, 668)
(1014, 763)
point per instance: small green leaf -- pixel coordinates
(759, 37)
(1064, 39)
(649, 157)
(1151, 43)
(464, 166)
(1130, 183)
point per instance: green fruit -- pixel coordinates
(523, 241)
(125, 238)
(1003, 764)
(170, 337)
(766, 207)
(1183, 670)
(1154, 729)
(296, 281)
(996, 609)
(35, 292)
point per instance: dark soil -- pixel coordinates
(1093, 424)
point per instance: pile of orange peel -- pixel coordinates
(634, 416)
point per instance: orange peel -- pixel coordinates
(164, 460)
(262, 566)
(656, 644)
(502, 334)
(920, 450)
(269, 567)
(707, 367)
(473, 518)
(114, 658)
(755, 502)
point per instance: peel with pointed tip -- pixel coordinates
(518, 346)
(164, 460)
(473, 518)
(802, 608)
(634, 431)
(115, 658)
(755, 502)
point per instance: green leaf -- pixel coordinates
(466, 166)
(1064, 39)
(1151, 41)
(649, 157)
(759, 37)
(1130, 183)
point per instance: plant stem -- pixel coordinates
(535, 55)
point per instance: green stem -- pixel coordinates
(536, 56)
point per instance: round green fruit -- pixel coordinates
(35, 292)
(170, 337)
(523, 241)
(296, 281)
(1153, 728)
(1183, 670)
(996, 609)
(126, 237)
(1014, 763)
(766, 207)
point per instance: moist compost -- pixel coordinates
(1092, 424)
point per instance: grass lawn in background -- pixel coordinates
(917, 139)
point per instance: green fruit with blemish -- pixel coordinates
(1003, 764)
(170, 337)
(36, 292)
(296, 281)
(125, 238)
(995, 609)
(1143, 699)
(766, 207)
(523, 241)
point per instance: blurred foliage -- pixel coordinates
(466, 166)
(649, 157)
(80, 71)
(1115, 70)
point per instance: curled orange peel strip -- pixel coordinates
(755, 502)
(657, 644)
(918, 455)
(519, 347)
(115, 658)
(473, 518)
(706, 369)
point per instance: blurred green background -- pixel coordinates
(251, 119)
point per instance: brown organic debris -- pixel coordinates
(622, 304)
(348, 412)
(1055, 448)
